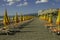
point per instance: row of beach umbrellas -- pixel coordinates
(49, 22)
(12, 22)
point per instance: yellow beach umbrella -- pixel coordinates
(21, 18)
(42, 17)
(46, 17)
(39, 17)
(57, 29)
(58, 20)
(16, 19)
(50, 19)
(13, 18)
(6, 18)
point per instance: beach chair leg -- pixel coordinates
(58, 33)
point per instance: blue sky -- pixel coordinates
(27, 6)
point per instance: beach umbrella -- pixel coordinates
(41, 17)
(58, 18)
(16, 19)
(57, 29)
(13, 18)
(21, 17)
(46, 17)
(6, 18)
(50, 19)
(49, 23)
(58, 22)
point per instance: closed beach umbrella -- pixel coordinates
(16, 19)
(58, 20)
(50, 19)
(6, 18)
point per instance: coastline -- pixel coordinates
(20, 23)
(1, 20)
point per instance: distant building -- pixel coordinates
(40, 12)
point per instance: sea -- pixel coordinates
(1, 17)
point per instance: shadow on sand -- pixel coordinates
(13, 32)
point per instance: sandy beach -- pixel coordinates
(34, 30)
(14, 26)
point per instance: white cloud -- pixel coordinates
(20, 5)
(23, 4)
(10, 2)
(13, 0)
(41, 1)
(4, 0)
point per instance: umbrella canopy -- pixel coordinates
(6, 18)
(16, 19)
